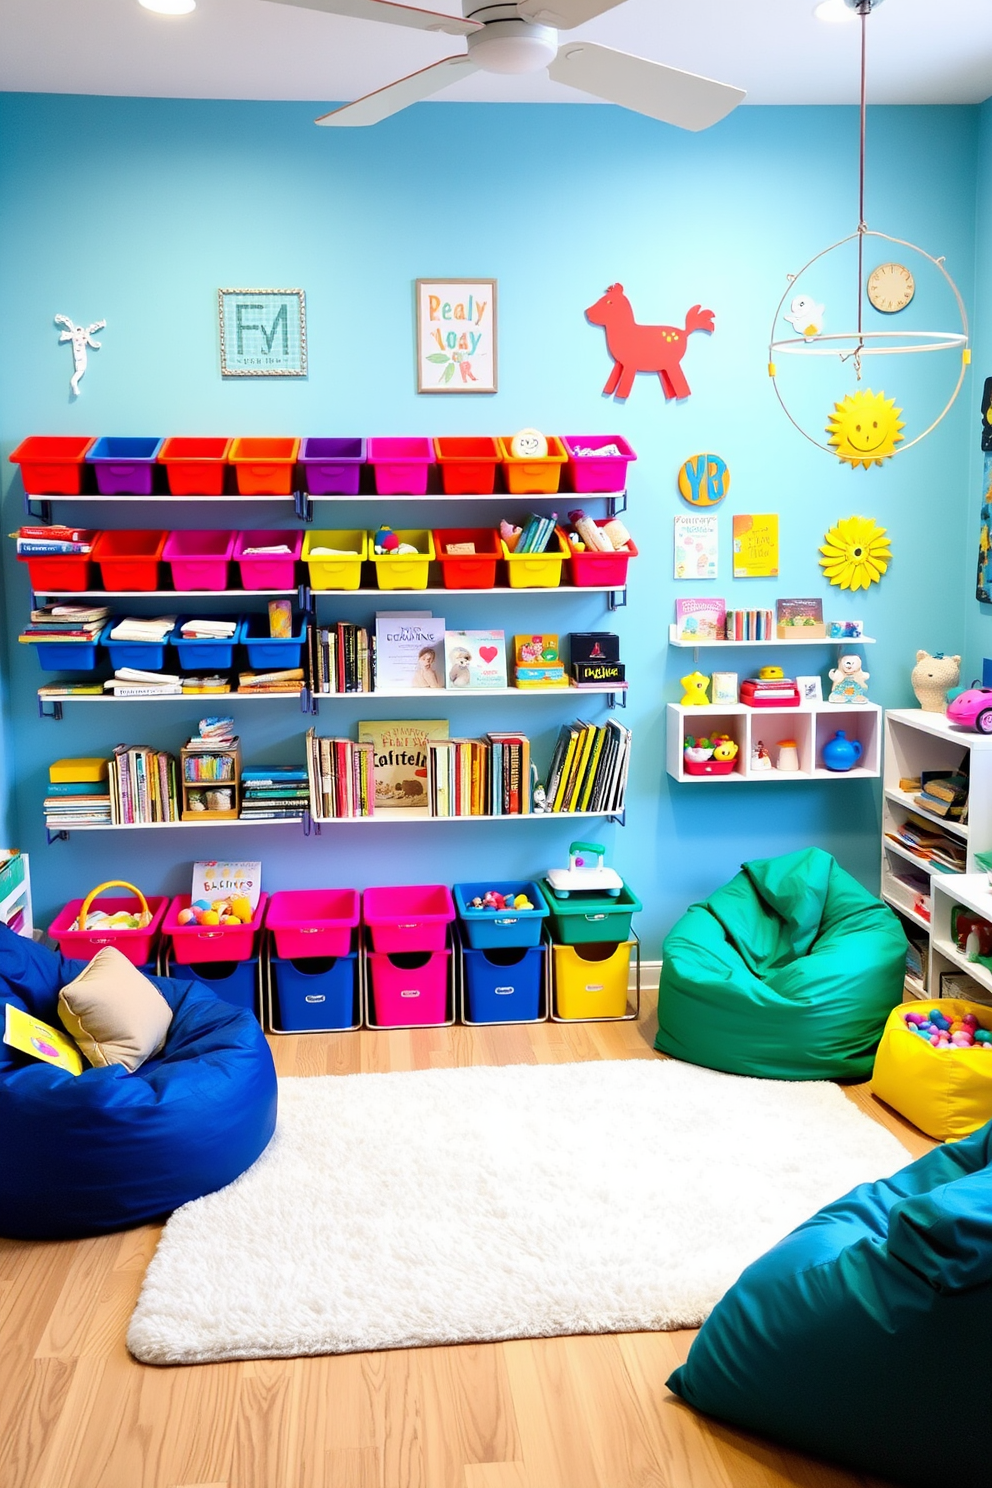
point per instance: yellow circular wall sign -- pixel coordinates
(704, 480)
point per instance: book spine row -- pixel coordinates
(342, 778)
(143, 786)
(589, 768)
(341, 659)
(749, 625)
(479, 777)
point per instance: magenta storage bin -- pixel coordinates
(400, 465)
(313, 922)
(199, 559)
(591, 570)
(409, 987)
(332, 467)
(82, 945)
(267, 570)
(192, 943)
(591, 473)
(410, 917)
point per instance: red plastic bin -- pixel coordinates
(264, 467)
(137, 945)
(192, 943)
(468, 466)
(195, 467)
(400, 465)
(267, 570)
(313, 922)
(409, 987)
(59, 571)
(591, 473)
(52, 464)
(409, 917)
(129, 558)
(468, 570)
(199, 559)
(590, 570)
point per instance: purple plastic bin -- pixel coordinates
(199, 559)
(401, 465)
(597, 473)
(124, 466)
(333, 467)
(411, 917)
(267, 570)
(409, 988)
(313, 922)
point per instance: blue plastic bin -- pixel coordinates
(197, 655)
(503, 986)
(487, 929)
(234, 981)
(124, 466)
(332, 467)
(67, 656)
(266, 653)
(315, 994)
(148, 656)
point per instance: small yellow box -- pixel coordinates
(64, 770)
(947, 1093)
(404, 570)
(341, 570)
(591, 980)
(536, 570)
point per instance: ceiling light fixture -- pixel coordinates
(834, 11)
(168, 7)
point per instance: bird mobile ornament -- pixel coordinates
(806, 317)
(81, 337)
(645, 348)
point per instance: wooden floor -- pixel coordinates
(77, 1412)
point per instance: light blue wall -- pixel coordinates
(137, 210)
(978, 632)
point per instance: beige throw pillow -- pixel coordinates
(115, 1014)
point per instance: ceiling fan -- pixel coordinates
(522, 36)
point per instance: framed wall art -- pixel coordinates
(263, 332)
(456, 336)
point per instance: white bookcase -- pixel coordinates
(810, 726)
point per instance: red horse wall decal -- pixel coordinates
(642, 348)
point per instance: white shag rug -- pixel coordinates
(481, 1203)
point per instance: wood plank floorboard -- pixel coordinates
(592, 1412)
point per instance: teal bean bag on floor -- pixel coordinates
(865, 1337)
(787, 972)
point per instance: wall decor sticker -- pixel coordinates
(456, 336)
(865, 428)
(263, 332)
(855, 552)
(81, 337)
(704, 480)
(645, 348)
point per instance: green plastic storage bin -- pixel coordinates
(582, 918)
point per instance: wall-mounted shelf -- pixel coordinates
(674, 639)
(312, 824)
(810, 726)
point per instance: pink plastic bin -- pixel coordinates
(401, 465)
(313, 922)
(199, 559)
(592, 569)
(82, 945)
(192, 943)
(592, 473)
(272, 570)
(411, 917)
(409, 988)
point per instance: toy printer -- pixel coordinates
(586, 873)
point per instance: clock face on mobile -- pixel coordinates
(890, 287)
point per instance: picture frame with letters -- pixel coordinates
(263, 332)
(456, 336)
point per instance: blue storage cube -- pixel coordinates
(67, 656)
(234, 981)
(486, 929)
(315, 993)
(197, 655)
(147, 656)
(267, 654)
(503, 986)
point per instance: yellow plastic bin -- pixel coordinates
(537, 570)
(404, 570)
(947, 1093)
(532, 476)
(340, 570)
(590, 980)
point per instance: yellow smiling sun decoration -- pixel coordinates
(856, 553)
(865, 427)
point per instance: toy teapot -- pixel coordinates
(841, 753)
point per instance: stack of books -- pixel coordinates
(78, 794)
(930, 846)
(537, 532)
(214, 682)
(749, 625)
(589, 768)
(208, 630)
(341, 659)
(341, 777)
(289, 680)
(153, 629)
(143, 785)
(943, 794)
(274, 793)
(131, 682)
(479, 777)
(36, 542)
(537, 662)
(65, 623)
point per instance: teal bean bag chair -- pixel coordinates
(787, 972)
(865, 1337)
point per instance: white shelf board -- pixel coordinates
(285, 821)
(674, 639)
(436, 693)
(165, 496)
(974, 969)
(412, 818)
(937, 724)
(970, 889)
(904, 909)
(199, 698)
(339, 499)
(914, 987)
(164, 593)
(904, 852)
(744, 709)
(780, 776)
(903, 798)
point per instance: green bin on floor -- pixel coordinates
(582, 918)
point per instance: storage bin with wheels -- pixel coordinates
(314, 994)
(590, 980)
(408, 988)
(503, 985)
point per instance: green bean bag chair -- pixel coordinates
(787, 972)
(865, 1336)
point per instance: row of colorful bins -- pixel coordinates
(52, 465)
(264, 652)
(129, 558)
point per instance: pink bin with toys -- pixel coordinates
(313, 922)
(409, 987)
(410, 917)
(137, 945)
(591, 570)
(192, 943)
(591, 471)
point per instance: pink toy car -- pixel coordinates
(972, 709)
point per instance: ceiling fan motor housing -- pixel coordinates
(508, 44)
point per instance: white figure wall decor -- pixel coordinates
(81, 337)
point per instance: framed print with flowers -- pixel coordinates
(456, 336)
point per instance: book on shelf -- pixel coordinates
(340, 658)
(143, 785)
(274, 792)
(799, 619)
(930, 845)
(399, 754)
(943, 793)
(589, 767)
(701, 620)
(71, 689)
(226, 880)
(341, 777)
(409, 651)
(474, 660)
(479, 777)
(288, 680)
(749, 625)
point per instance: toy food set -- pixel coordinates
(537, 662)
(934, 1066)
(770, 689)
(595, 657)
(713, 755)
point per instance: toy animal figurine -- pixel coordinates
(695, 690)
(81, 337)
(932, 677)
(850, 681)
(761, 760)
(725, 748)
(644, 348)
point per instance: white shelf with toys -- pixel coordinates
(761, 733)
(674, 639)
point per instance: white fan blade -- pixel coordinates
(666, 93)
(385, 10)
(564, 14)
(396, 96)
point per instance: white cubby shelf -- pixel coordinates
(674, 639)
(810, 725)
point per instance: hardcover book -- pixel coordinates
(409, 652)
(696, 547)
(399, 757)
(700, 619)
(227, 880)
(799, 619)
(756, 546)
(474, 659)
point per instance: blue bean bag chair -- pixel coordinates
(865, 1336)
(84, 1154)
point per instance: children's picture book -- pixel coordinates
(756, 546)
(41, 1040)
(696, 547)
(227, 880)
(474, 659)
(799, 619)
(399, 756)
(409, 652)
(700, 619)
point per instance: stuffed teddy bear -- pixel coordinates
(932, 677)
(850, 680)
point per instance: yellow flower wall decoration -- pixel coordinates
(865, 427)
(856, 553)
